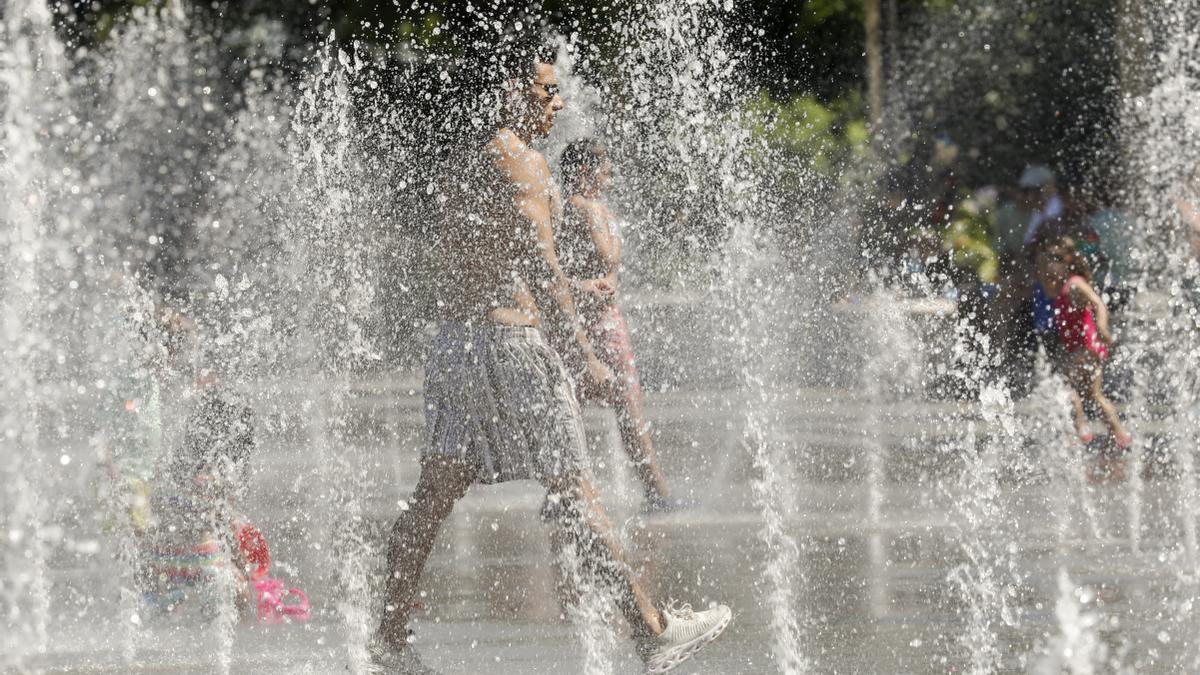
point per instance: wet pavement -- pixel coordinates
(876, 583)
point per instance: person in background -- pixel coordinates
(1014, 321)
(1044, 203)
(1081, 319)
(1040, 195)
(1009, 221)
(590, 255)
(161, 335)
(1189, 209)
(1114, 232)
(1188, 204)
(194, 531)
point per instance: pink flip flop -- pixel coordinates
(269, 593)
(295, 611)
(273, 607)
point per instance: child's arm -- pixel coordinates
(1083, 293)
(608, 247)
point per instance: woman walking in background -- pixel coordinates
(590, 254)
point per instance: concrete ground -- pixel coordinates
(906, 562)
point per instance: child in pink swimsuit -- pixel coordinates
(590, 253)
(1076, 324)
(1081, 319)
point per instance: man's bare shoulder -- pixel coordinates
(516, 161)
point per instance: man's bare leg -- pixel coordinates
(581, 520)
(442, 483)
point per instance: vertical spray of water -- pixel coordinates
(225, 622)
(151, 95)
(987, 580)
(1161, 129)
(1067, 473)
(589, 609)
(1190, 497)
(79, 352)
(130, 449)
(591, 612)
(149, 111)
(1077, 649)
(584, 111)
(333, 265)
(890, 374)
(693, 138)
(772, 486)
(154, 96)
(31, 63)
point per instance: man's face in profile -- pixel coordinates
(544, 101)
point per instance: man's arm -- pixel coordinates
(531, 182)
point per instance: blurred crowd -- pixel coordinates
(979, 248)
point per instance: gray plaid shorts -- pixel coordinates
(499, 398)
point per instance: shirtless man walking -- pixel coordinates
(499, 404)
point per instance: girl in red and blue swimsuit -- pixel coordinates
(1081, 319)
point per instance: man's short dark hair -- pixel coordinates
(520, 51)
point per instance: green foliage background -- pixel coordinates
(1006, 82)
(1041, 92)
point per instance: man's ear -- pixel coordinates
(512, 96)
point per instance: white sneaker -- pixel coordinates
(685, 633)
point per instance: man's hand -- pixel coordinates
(600, 376)
(598, 287)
